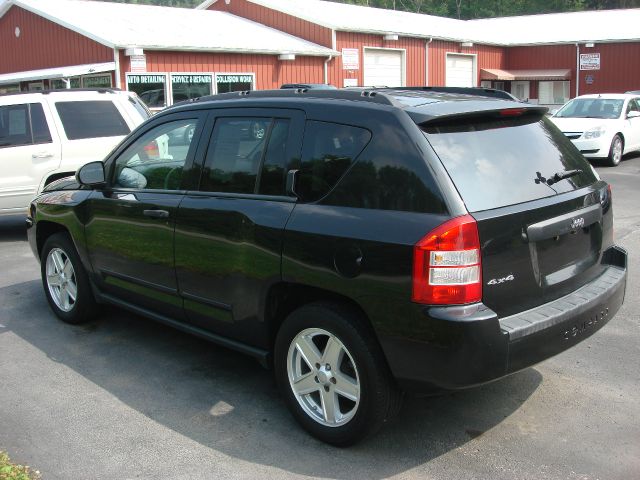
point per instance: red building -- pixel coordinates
(167, 55)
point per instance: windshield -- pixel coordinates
(591, 108)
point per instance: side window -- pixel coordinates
(234, 155)
(14, 126)
(273, 173)
(91, 119)
(328, 151)
(633, 106)
(41, 133)
(156, 160)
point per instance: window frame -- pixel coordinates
(187, 176)
(297, 119)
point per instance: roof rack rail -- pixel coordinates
(64, 90)
(477, 91)
(369, 95)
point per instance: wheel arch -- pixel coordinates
(46, 229)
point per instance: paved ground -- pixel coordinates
(124, 397)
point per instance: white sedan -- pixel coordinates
(603, 125)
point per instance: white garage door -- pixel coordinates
(383, 67)
(460, 71)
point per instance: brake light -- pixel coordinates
(512, 112)
(447, 267)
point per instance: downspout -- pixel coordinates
(426, 61)
(116, 59)
(326, 67)
(577, 69)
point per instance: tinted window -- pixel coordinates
(14, 126)
(272, 175)
(328, 151)
(156, 160)
(234, 155)
(41, 133)
(496, 162)
(591, 108)
(91, 119)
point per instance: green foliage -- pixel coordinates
(9, 471)
(469, 9)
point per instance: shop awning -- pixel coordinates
(497, 74)
(58, 72)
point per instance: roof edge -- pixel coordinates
(206, 4)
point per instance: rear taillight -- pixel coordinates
(447, 265)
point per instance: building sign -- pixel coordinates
(589, 61)
(588, 79)
(234, 78)
(190, 79)
(145, 79)
(350, 59)
(138, 63)
(350, 82)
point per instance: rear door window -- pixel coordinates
(329, 149)
(14, 125)
(91, 119)
(497, 162)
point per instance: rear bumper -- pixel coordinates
(473, 346)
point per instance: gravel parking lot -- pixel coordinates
(124, 397)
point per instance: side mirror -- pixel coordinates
(91, 174)
(633, 114)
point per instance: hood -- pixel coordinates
(67, 183)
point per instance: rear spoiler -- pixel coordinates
(449, 112)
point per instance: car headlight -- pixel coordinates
(595, 132)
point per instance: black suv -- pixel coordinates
(360, 242)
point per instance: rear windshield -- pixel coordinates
(497, 162)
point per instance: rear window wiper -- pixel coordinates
(564, 174)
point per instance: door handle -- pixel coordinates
(156, 213)
(42, 155)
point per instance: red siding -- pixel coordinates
(414, 48)
(281, 21)
(488, 57)
(270, 72)
(619, 68)
(44, 44)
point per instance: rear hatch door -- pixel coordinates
(543, 215)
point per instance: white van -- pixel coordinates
(48, 135)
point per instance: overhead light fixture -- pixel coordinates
(287, 56)
(466, 44)
(590, 45)
(391, 36)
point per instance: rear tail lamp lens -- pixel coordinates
(447, 265)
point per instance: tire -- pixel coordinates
(616, 150)
(65, 281)
(353, 381)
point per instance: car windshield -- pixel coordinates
(591, 108)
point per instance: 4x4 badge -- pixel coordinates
(496, 281)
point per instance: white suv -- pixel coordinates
(48, 135)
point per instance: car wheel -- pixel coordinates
(65, 280)
(615, 151)
(332, 374)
